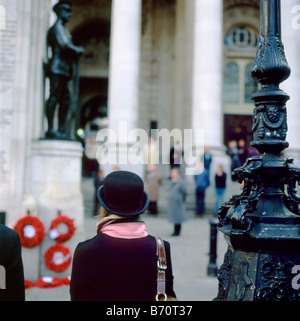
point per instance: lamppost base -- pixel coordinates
(253, 276)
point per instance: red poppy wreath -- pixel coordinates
(58, 258)
(54, 232)
(28, 284)
(31, 231)
(48, 282)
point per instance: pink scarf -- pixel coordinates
(124, 230)
(130, 230)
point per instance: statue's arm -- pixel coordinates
(64, 41)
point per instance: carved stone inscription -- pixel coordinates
(8, 46)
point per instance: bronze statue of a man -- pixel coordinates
(60, 69)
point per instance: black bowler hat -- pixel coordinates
(123, 194)
(60, 3)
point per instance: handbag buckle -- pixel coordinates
(161, 296)
(161, 265)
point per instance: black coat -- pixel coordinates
(11, 260)
(113, 269)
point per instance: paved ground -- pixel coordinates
(189, 251)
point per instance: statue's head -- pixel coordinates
(63, 10)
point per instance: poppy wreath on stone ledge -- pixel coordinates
(31, 230)
(28, 284)
(48, 282)
(55, 234)
(58, 258)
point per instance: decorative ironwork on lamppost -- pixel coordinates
(262, 224)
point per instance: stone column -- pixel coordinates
(207, 113)
(291, 40)
(207, 76)
(183, 64)
(123, 77)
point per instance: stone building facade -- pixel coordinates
(153, 63)
(176, 64)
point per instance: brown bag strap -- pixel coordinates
(161, 269)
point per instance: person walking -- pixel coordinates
(202, 182)
(120, 262)
(153, 183)
(176, 209)
(220, 183)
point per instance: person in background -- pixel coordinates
(220, 185)
(233, 152)
(176, 155)
(153, 182)
(243, 152)
(252, 152)
(120, 262)
(149, 154)
(176, 209)
(202, 182)
(206, 158)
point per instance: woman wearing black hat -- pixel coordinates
(120, 262)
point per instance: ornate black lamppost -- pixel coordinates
(262, 225)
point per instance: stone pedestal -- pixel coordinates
(55, 186)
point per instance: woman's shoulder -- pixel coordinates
(100, 238)
(88, 243)
(166, 243)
